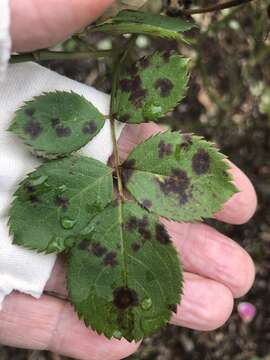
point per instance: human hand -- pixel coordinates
(39, 24)
(216, 270)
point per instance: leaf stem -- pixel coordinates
(42, 55)
(217, 7)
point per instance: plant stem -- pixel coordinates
(217, 7)
(117, 160)
(42, 55)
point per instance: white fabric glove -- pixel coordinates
(5, 40)
(22, 269)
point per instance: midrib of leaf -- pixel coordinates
(123, 244)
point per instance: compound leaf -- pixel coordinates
(57, 201)
(138, 22)
(57, 123)
(124, 277)
(180, 177)
(150, 88)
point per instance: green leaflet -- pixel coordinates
(180, 177)
(57, 201)
(138, 22)
(150, 88)
(124, 277)
(57, 123)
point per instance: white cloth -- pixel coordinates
(22, 269)
(5, 40)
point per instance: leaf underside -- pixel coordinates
(124, 277)
(57, 201)
(150, 88)
(57, 123)
(138, 22)
(178, 176)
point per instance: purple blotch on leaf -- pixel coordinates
(62, 202)
(62, 131)
(89, 127)
(165, 86)
(98, 250)
(29, 112)
(33, 128)
(162, 235)
(164, 149)
(124, 298)
(110, 259)
(146, 204)
(201, 162)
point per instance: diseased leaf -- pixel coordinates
(180, 177)
(57, 123)
(150, 88)
(138, 22)
(124, 277)
(57, 201)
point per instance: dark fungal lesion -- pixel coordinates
(162, 235)
(173, 308)
(98, 250)
(165, 86)
(124, 297)
(201, 162)
(55, 122)
(187, 141)
(124, 118)
(62, 131)
(135, 246)
(140, 225)
(134, 87)
(89, 127)
(110, 259)
(33, 128)
(177, 183)
(29, 112)
(147, 204)
(144, 62)
(127, 170)
(61, 202)
(164, 149)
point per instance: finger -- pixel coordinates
(210, 254)
(38, 24)
(237, 210)
(51, 324)
(206, 304)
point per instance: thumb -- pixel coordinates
(37, 24)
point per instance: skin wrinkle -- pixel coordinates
(51, 343)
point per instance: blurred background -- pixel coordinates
(228, 102)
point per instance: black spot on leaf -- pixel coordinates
(201, 162)
(136, 246)
(29, 112)
(164, 149)
(143, 229)
(187, 142)
(89, 127)
(132, 70)
(33, 128)
(55, 122)
(98, 250)
(34, 199)
(173, 308)
(146, 204)
(178, 183)
(165, 86)
(162, 235)
(125, 85)
(137, 97)
(127, 171)
(132, 223)
(144, 62)
(62, 131)
(166, 55)
(110, 259)
(84, 244)
(62, 202)
(124, 298)
(29, 188)
(124, 118)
